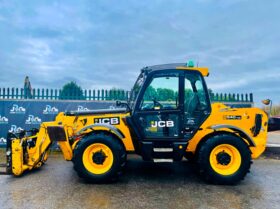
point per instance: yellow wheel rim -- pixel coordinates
(98, 158)
(225, 159)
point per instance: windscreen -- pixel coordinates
(135, 90)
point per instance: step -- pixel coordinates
(163, 149)
(163, 160)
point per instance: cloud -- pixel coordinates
(36, 48)
(246, 79)
(103, 44)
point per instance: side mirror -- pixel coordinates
(266, 101)
(118, 103)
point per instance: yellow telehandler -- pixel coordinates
(167, 117)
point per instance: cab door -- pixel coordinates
(159, 111)
(197, 106)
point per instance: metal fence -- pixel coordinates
(21, 110)
(246, 98)
(101, 94)
(56, 94)
(19, 114)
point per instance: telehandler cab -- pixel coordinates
(167, 117)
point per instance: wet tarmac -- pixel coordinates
(145, 185)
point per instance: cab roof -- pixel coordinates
(178, 66)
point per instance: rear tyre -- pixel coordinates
(224, 159)
(99, 158)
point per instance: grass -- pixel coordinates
(2, 155)
(274, 111)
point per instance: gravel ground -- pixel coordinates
(145, 185)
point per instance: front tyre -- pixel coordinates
(224, 159)
(99, 158)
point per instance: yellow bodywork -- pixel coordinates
(203, 70)
(246, 123)
(74, 125)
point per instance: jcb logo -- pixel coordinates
(168, 123)
(111, 121)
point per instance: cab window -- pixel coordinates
(161, 93)
(195, 94)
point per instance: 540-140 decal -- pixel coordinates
(232, 117)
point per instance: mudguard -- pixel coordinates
(237, 129)
(102, 126)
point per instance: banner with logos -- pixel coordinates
(16, 115)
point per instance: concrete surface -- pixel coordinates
(273, 145)
(273, 139)
(145, 185)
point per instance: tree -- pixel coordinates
(150, 93)
(27, 88)
(71, 91)
(165, 94)
(211, 93)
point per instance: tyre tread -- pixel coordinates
(209, 174)
(115, 172)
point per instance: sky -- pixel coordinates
(104, 44)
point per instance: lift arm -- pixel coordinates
(29, 149)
